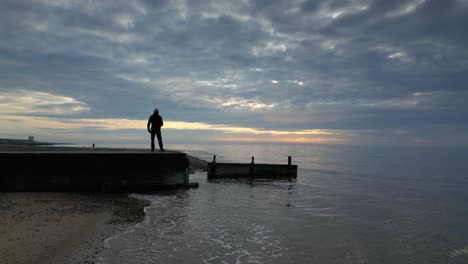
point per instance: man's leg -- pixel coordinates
(152, 140)
(158, 134)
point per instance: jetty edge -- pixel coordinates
(251, 170)
(93, 171)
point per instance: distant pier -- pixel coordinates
(93, 171)
(251, 170)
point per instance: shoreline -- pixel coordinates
(46, 227)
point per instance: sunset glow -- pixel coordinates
(292, 136)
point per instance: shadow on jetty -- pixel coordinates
(89, 171)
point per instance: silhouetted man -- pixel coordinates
(155, 122)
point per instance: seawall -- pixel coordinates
(92, 171)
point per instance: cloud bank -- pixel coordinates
(357, 65)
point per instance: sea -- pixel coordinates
(349, 204)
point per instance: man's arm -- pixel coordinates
(148, 125)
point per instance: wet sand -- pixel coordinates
(64, 227)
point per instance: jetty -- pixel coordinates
(89, 171)
(251, 170)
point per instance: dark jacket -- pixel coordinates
(155, 121)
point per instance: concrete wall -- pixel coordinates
(88, 171)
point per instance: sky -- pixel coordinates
(268, 71)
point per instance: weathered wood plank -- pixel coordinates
(251, 170)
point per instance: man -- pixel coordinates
(155, 123)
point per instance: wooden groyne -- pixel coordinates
(251, 170)
(93, 171)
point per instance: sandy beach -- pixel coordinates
(64, 227)
(61, 227)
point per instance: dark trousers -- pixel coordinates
(158, 134)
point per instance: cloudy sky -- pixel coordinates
(317, 71)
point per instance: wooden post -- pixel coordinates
(289, 168)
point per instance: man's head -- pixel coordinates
(156, 111)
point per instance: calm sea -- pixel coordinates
(349, 205)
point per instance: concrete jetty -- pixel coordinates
(252, 170)
(64, 171)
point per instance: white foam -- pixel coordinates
(229, 238)
(459, 252)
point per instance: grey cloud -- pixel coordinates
(359, 62)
